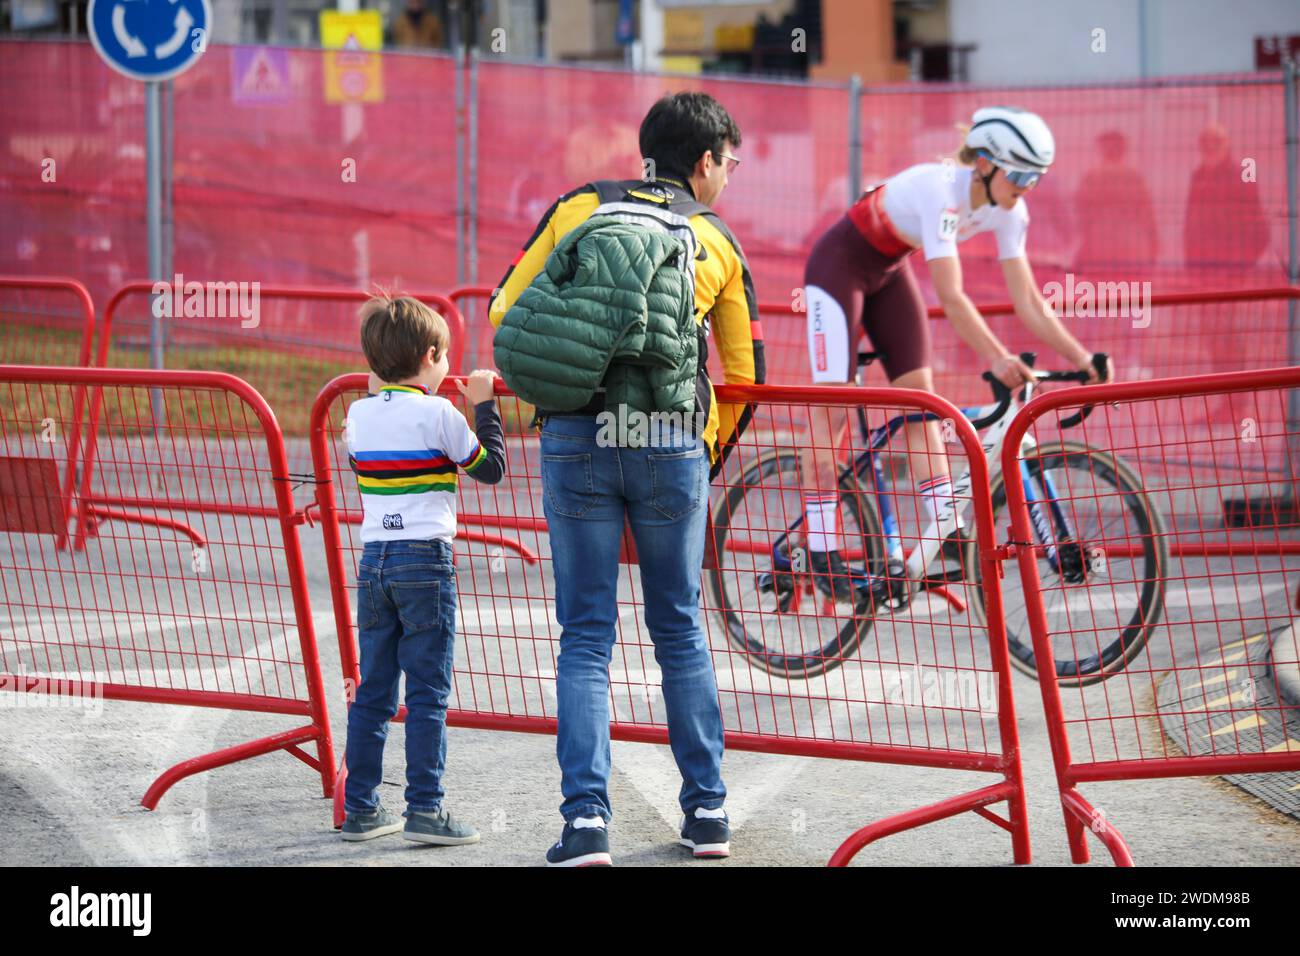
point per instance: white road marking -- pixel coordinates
(69, 793)
(1124, 598)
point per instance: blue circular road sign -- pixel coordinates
(150, 39)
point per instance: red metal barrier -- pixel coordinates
(284, 356)
(473, 303)
(1193, 333)
(224, 624)
(858, 705)
(76, 328)
(1210, 477)
(63, 334)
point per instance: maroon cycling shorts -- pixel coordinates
(851, 289)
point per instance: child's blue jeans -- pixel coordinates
(406, 622)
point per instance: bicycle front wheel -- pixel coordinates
(779, 620)
(1103, 589)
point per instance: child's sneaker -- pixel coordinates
(584, 842)
(707, 833)
(439, 828)
(367, 826)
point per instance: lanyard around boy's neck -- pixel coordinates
(413, 389)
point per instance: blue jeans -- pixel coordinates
(663, 492)
(406, 619)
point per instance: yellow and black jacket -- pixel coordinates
(724, 291)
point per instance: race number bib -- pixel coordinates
(948, 224)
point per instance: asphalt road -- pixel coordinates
(138, 606)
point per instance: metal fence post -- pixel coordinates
(855, 138)
(169, 179)
(1289, 100)
(1292, 174)
(153, 223)
(458, 51)
(472, 163)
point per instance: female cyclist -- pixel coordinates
(858, 281)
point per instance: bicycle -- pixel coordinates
(1068, 563)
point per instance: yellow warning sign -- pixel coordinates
(354, 70)
(357, 31)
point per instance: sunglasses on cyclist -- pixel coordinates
(1021, 178)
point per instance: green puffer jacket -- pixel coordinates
(611, 307)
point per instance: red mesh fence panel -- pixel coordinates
(1175, 182)
(261, 188)
(1174, 551)
(1148, 334)
(264, 189)
(261, 183)
(288, 344)
(45, 321)
(545, 130)
(188, 585)
(926, 685)
(72, 165)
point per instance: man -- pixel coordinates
(590, 490)
(1115, 191)
(1225, 230)
(417, 26)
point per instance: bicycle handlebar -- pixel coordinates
(1100, 363)
(1002, 394)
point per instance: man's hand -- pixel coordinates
(1011, 371)
(479, 387)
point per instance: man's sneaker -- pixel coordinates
(439, 828)
(834, 578)
(584, 842)
(707, 833)
(367, 826)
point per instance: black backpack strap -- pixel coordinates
(658, 192)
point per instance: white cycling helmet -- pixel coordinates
(1016, 140)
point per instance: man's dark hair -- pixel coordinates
(680, 128)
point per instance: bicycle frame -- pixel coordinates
(1044, 509)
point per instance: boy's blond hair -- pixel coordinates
(396, 334)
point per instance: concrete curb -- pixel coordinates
(1285, 662)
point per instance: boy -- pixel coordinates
(405, 444)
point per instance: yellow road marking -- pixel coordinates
(1243, 641)
(1212, 680)
(1246, 723)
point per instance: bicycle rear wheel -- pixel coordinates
(1106, 591)
(789, 629)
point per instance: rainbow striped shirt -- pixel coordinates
(406, 447)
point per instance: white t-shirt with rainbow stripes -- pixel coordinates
(406, 447)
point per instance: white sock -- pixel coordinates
(822, 521)
(936, 492)
(588, 823)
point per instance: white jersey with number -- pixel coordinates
(929, 206)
